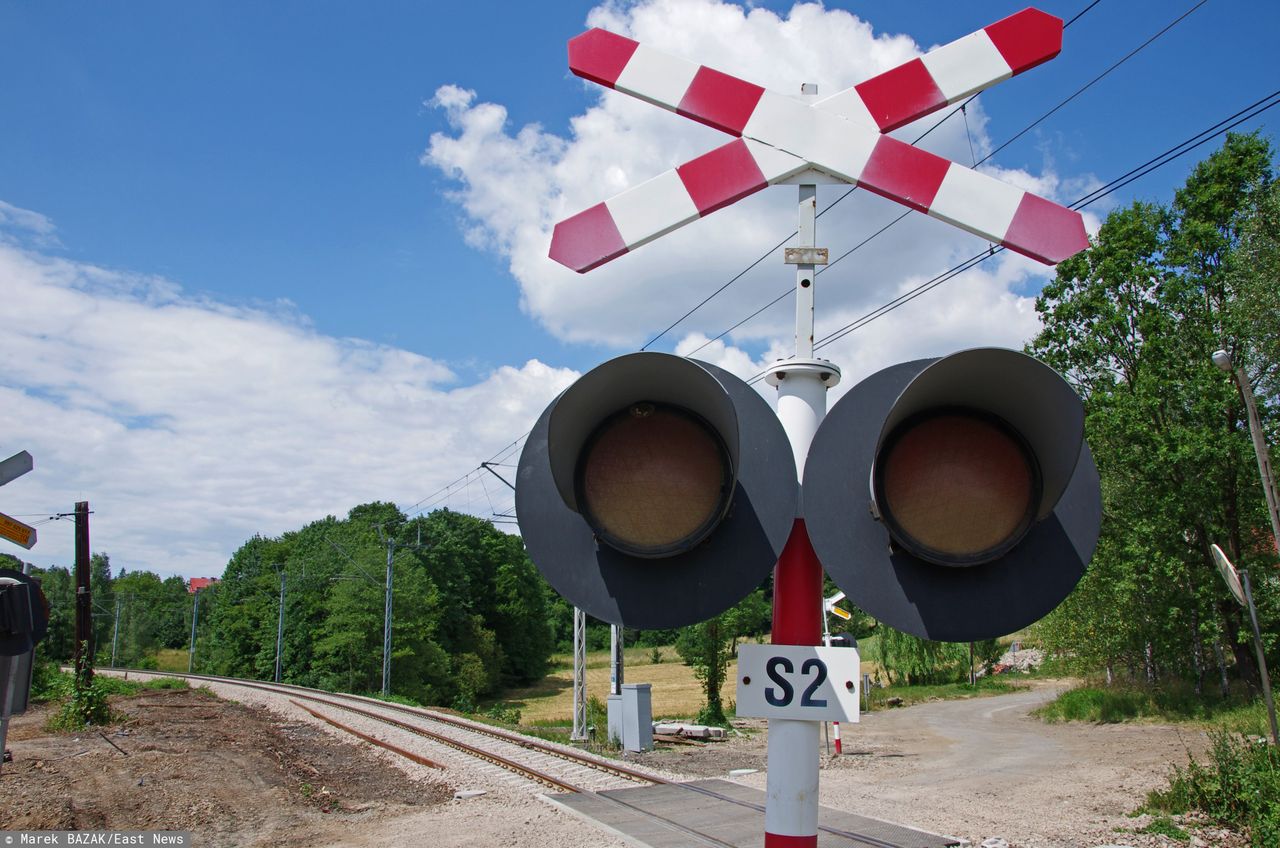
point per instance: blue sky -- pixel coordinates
(267, 261)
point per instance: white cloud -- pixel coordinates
(512, 185)
(17, 224)
(189, 425)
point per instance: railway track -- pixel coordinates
(507, 756)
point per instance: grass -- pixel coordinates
(1164, 826)
(944, 691)
(1239, 787)
(165, 683)
(676, 693)
(1173, 703)
(171, 659)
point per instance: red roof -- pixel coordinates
(195, 584)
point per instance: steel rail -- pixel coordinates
(372, 740)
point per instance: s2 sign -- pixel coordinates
(802, 682)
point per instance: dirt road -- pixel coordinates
(984, 767)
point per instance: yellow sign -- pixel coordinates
(17, 532)
(839, 613)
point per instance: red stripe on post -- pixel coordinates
(600, 55)
(777, 840)
(1045, 231)
(720, 101)
(587, 240)
(797, 593)
(904, 173)
(723, 176)
(1026, 39)
(899, 96)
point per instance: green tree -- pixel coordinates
(1132, 322)
(708, 646)
(103, 597)
(469, 611)
(705, 648)
(153, 614)
(59, 590)
(914, 661)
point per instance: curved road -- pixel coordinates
(991, 740)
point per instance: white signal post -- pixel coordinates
(791, 785)
(829, 608)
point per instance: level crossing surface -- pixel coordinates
(720, 813)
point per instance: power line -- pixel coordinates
(1135, 51)
(1178, 150)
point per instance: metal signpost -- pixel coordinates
(1238, 582)
(11, 528)
(601, 560)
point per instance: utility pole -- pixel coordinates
(280, 627)
(1222, 359)
(195, 616)
(579, 733)
(115, 633)
(386, 619)
(84, 600)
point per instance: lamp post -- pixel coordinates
(1222, 359)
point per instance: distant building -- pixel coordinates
(195, 584)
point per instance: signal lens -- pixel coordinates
(654, 480)
(956, 487)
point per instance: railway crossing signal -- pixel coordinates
(955, 498)
(24, 613)
(952, 498)
(656, 491)
(841, 136)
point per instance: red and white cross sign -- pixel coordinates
(842, 136)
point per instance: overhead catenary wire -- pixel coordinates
(1164, 158)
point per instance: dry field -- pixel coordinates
(676, 693)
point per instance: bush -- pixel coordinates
(1177, 702)
(503, 714)
(166, 683)
(1238, 788)
(87, 705)
(48, 682)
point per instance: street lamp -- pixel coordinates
(1222, 359)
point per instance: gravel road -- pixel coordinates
(984, 767)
